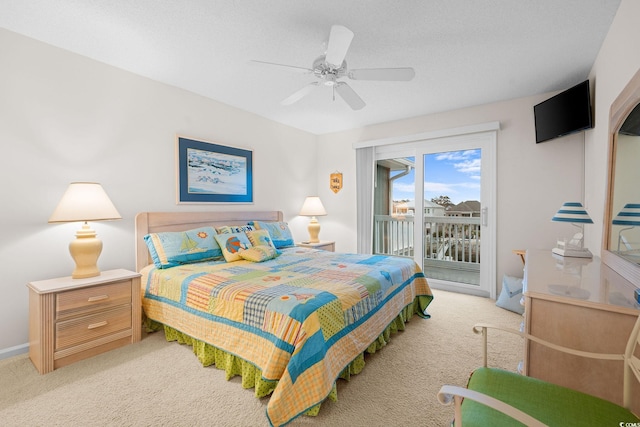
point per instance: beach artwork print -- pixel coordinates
(215, 173)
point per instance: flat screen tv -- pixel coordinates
(565, 113)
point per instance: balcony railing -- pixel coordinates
(452, 239)
(393, 235)
(449, 243)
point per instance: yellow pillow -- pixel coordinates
(258, 253)
(260, 238)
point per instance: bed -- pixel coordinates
(290, 323)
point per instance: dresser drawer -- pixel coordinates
(85, 300)
(86, 328)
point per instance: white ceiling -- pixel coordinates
(464, 52)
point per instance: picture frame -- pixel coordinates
(212, 173)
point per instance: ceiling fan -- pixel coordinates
(331, 67)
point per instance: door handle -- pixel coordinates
(485, 216)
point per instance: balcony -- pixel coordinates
(451, 245)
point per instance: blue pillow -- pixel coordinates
(169, 249)
(511, 294)
(279, 231)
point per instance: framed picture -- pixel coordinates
(212, 173)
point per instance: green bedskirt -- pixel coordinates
(252, 376)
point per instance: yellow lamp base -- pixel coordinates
(85, 250)
(314, 230)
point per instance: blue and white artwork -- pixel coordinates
(216, 173)
(210, 172)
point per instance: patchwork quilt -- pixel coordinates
(300, 318)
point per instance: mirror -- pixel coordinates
(624, 238)
(621, 239)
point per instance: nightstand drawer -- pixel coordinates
(78, 301)
(76, 331)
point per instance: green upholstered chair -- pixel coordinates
(495, 397)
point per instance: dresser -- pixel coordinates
(73, 319)
(582, 304)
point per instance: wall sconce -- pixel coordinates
(85, 201)
(629, 216)
(574, 213)
(313, 207)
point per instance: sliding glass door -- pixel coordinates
(449, 228)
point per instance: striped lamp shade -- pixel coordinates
(572, 212)
(629, 215)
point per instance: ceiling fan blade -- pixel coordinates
(339, 42)
(383, 74)
(289, 67)
(299, 94)
(349, 96)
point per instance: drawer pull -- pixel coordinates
(98, 298)
(97, 325)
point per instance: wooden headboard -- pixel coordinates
(155, 222)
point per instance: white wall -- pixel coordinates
(617, 61)
(64, 117)
(533, 179)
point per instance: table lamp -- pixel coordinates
(313, 207)
(574, 213)
(85, 201)
(629, 216)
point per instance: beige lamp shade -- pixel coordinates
(85, 201)
(313, 207)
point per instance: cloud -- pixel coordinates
(403, 188)
(457, 155)
(469, 185)
(439, 187)
(468, 166)
(467, 161)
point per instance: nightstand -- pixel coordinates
(325, 246)
(73, 319)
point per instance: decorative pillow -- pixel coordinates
(260, 238)
(226, 229)
(172, 248)
(279, 232)
(231, 244)
(511, 294)
(259, 253)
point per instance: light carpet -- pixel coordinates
(160, 383)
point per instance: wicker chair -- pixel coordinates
(495, 397)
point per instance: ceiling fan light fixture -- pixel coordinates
(332, 66)
(330, 80)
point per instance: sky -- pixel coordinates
(455, 174)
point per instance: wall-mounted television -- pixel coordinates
(565, 113)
